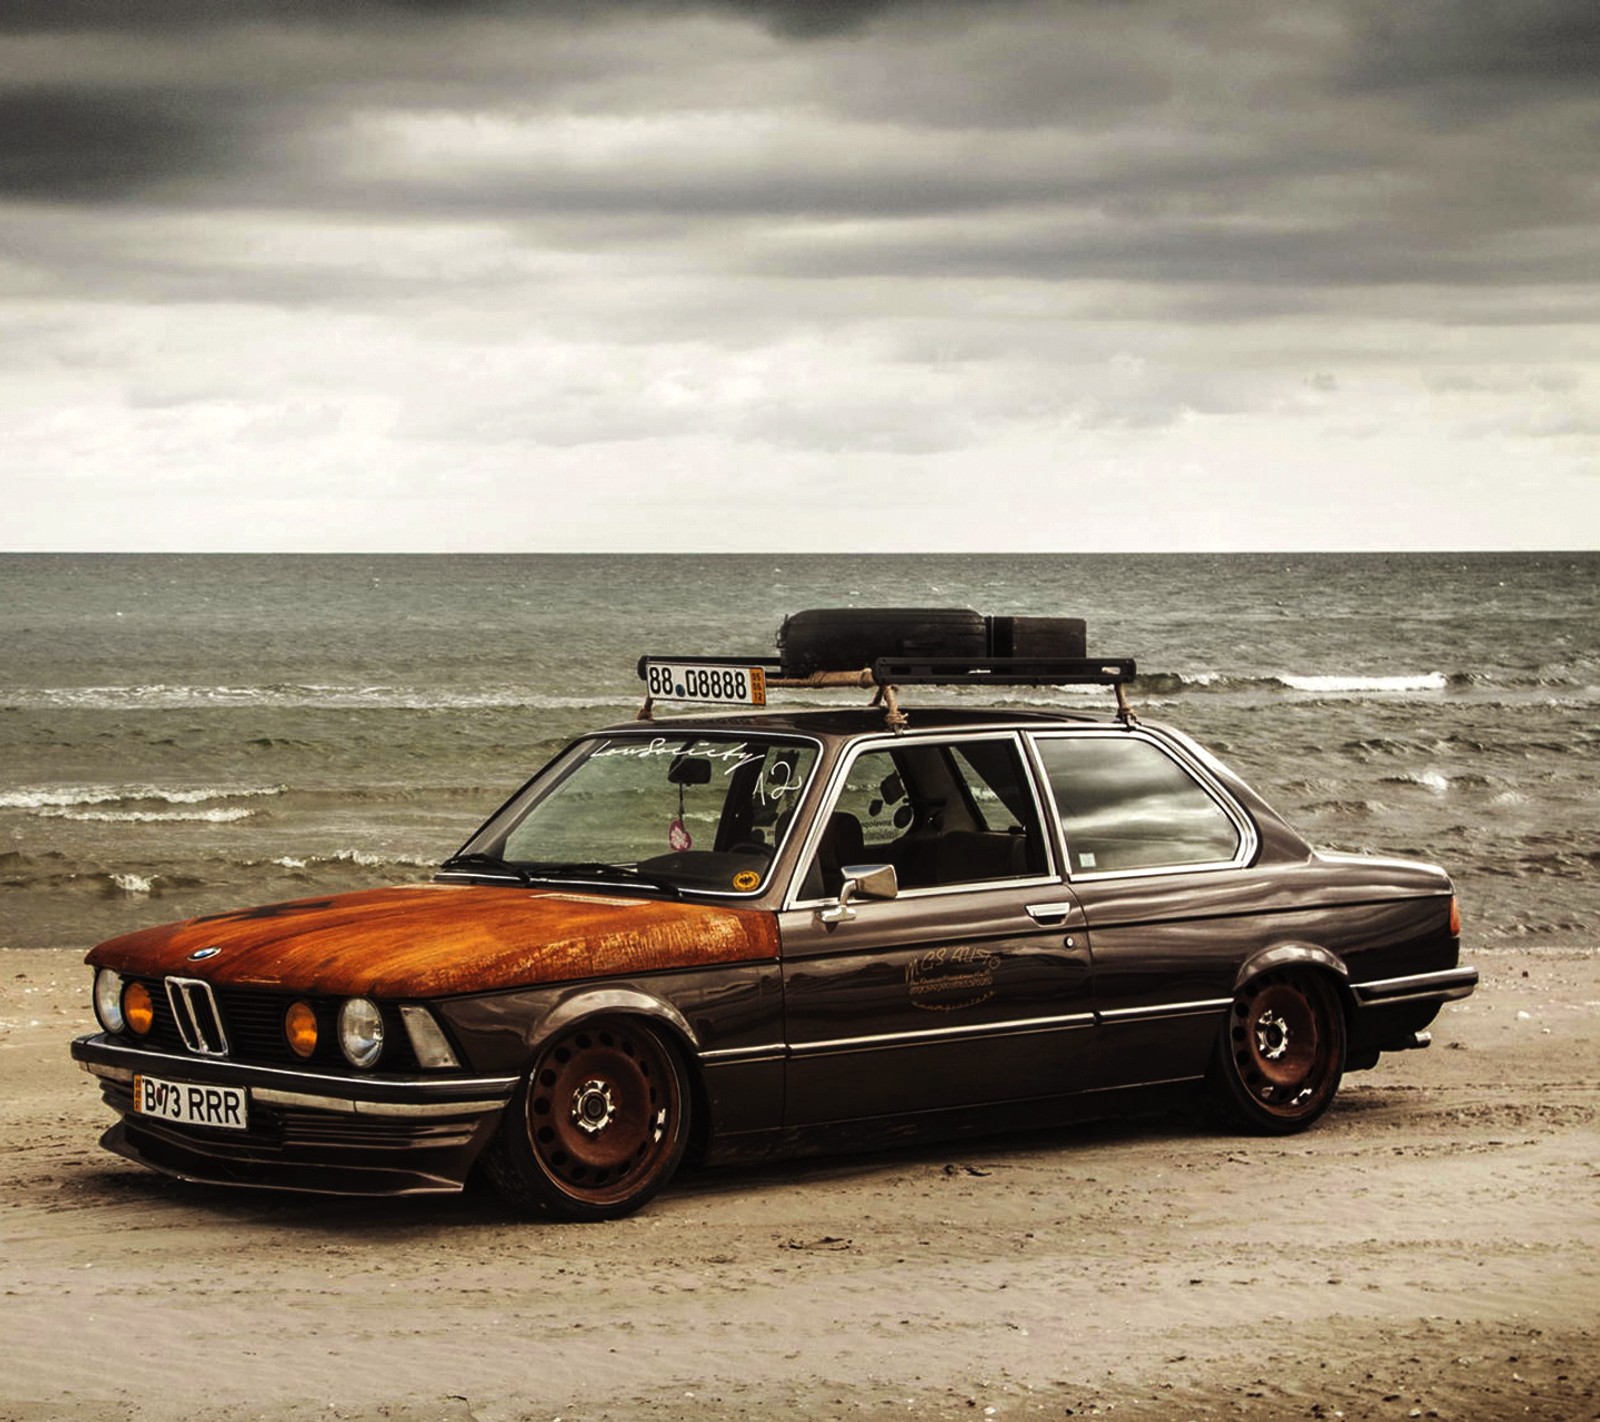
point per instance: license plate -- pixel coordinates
(224, 1107)
(706, 681)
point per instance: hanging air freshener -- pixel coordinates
(678, 835)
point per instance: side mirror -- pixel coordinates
(867, 881)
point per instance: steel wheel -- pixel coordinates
(1282, 1053)
(600, 1125)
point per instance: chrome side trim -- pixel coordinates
(1165, 1009)
(1444, 986)
(976, 1029)
(722, 1055)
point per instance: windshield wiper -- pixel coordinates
(479, 859)
(599, 869)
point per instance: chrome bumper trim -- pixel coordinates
(405, 1098)
(1444, 986)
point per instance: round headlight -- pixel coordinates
(300, 1029)
(360, 1032)
(108, 1000)
(137, 1008)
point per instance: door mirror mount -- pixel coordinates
(866, 881)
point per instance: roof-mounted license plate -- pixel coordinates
(725, 683)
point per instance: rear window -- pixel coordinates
(1125, 804)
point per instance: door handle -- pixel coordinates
(1050, 915)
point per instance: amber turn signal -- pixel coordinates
(300, 1028)
(137, 1009)
(1455, 918)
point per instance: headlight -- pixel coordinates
(300, 1029)
(360, 1032)
(108, 1000)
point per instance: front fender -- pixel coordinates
(606, 1001)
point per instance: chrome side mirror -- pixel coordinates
(867, 881)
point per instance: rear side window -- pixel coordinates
(1125, 804)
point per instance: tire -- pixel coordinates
(1065, 637)
(850, 638)
(1280, 1058)
(598, 1126)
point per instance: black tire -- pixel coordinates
(598, 1126)
(850, 638)
(1281, 1055)
(1065, 637)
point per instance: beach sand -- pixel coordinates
(1432, 1249)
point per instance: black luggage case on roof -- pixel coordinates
(849, 638)
(1038, 637)
(836, 639)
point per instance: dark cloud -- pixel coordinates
(88, 146)
(799, 18)
(1478, 51)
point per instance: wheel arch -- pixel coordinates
(1310, 956)
(623, 1002)
(680, 1037)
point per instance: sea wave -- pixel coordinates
(1357, 685)
(296, 696)
(365, 858)
(146, 817)
(66, 800)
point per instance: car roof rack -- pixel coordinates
(698, 679)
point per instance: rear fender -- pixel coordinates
(1298, 955)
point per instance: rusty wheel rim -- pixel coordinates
(1284, 1048)
(603, 1110)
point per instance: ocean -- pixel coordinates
(185, 734)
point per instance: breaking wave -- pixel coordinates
(164, 697)
(137, 804)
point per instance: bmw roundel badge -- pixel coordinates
(200, 954)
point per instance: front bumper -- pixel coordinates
(334, 1135)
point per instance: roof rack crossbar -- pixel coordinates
(887, 674)
(1003, 671)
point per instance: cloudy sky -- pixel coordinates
(799, 274)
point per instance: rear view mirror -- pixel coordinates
(689, 770)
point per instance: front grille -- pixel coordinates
(248, 1025)
(194, 1012)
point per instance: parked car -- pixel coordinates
(759, 932)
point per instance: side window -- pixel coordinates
(944, 814)
(875, 796)
(1125, 804)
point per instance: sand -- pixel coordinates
(1430, 1250)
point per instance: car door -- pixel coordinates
(1158, 855)
(971, 986)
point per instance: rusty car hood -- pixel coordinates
(431, 940)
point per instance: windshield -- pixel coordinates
(676, 811)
